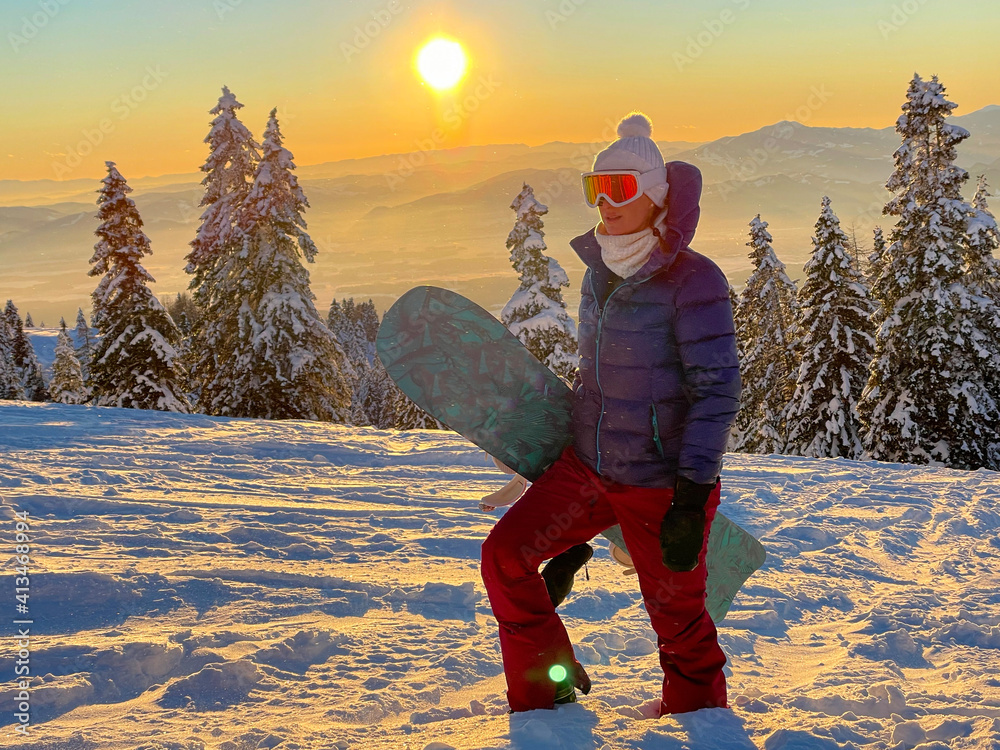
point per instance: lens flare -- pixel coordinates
(557, 673)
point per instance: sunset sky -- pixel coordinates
(136, 78)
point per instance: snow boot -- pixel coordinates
(565, 692)
(578, 679)
(560, 570)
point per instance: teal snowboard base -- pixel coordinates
(463, 367)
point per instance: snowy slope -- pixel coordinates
(211, 583)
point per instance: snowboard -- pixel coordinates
(463, 367)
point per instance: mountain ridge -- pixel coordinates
(445, 221)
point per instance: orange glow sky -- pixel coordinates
(541, 70)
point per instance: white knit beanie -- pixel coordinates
(634, 149)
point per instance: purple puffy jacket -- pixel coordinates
(659, 381)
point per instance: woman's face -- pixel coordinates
(632, 217)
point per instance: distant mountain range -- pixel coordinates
(384, 224)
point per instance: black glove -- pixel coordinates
(682, 532)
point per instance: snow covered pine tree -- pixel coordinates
(84, 342)
(984, 240)
(836, 346)
(135, 364)
(876, 259)
(409, 416)
(536, 313)
(350, 336)
(67, 385)
(22, 357)
(378, 397)
(765, 329)
(285, 363)
(932, 391)
(375, 399)
(229, 170)
(10, 381)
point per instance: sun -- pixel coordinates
(441, 63)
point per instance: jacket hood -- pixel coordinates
(683, 211)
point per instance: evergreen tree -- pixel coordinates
(67, 386)
(367, 317)
(356, 326)
(350, 338)
(765, 329)
(378, 397)
(229, 173)
(876, 264)
(536, 313)
(28, 322)
(409, 416)
(984, 240)
(837, 342)
(135, 362)
(377, 400)
(342, 321)
(856, 249)
(10, 380)
(184, 313)
(734, 302)
(932, 390)
(84, 342)
(285, 363)
(22, 357)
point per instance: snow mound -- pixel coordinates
(302, 650)
(213, 687)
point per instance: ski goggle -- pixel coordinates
(621, 186)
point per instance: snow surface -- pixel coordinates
(200, 582)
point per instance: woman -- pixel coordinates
(655, 398)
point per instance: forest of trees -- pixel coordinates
(892, 354)
(901, 363)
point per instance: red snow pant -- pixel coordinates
(569, 505)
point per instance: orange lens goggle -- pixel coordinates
(619, 188)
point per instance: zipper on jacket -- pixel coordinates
(656, 431)
(597, 351)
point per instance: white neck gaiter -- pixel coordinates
(627, 253)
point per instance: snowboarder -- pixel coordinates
(655, 398)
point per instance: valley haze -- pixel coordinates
(385, 224)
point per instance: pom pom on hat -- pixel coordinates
(635, 125)
(634, 149)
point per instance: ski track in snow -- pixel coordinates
(235, 584)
